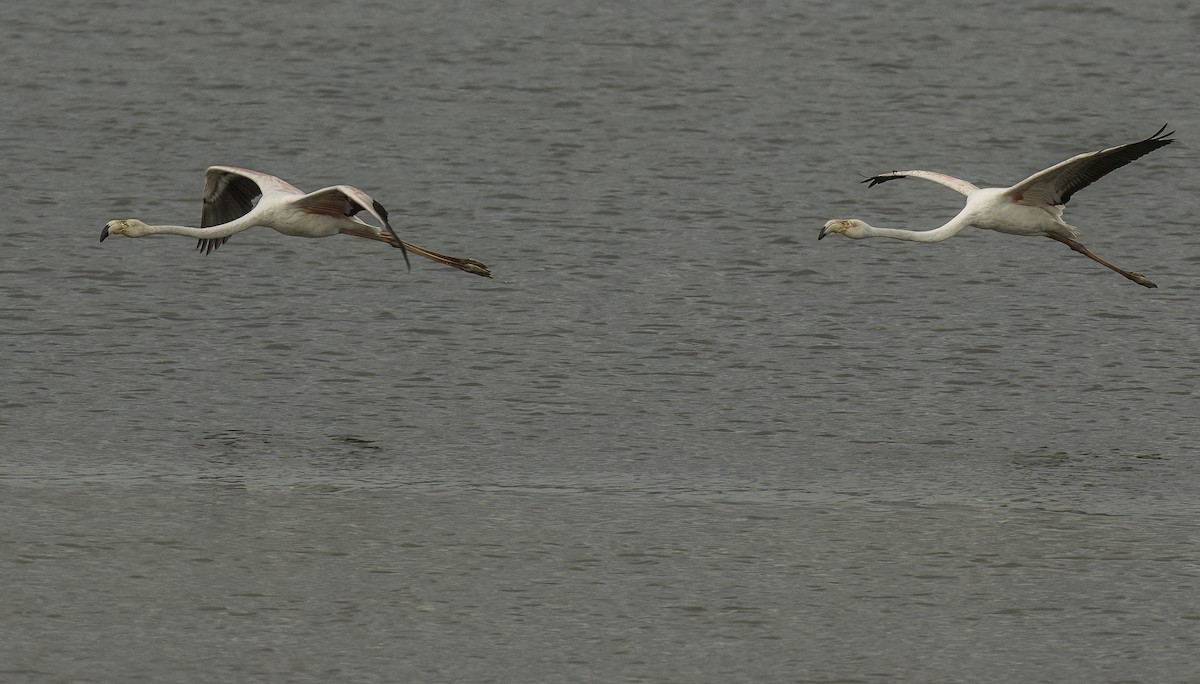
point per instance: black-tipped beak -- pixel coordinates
(103, 233)
(820, 236)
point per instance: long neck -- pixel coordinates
(950, 229)
(223, 230)
(187, 231)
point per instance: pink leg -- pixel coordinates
(1073, 244)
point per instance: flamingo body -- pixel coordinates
(230, 208)
(1032, 207)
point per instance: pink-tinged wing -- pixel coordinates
(229, 194)
(956, 184)
(1055, 186)
(340, 200)
(347, 200)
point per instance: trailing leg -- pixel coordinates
(1075, 245)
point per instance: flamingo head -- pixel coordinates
(126, 227)
(851, 228)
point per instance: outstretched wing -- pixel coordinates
(346, 200)
(229, 194)
(1055, 185)
(956, 184)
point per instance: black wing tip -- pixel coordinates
(882, 178)
(398, 242)
(1160, 138)
(380, 210)
(206, 245)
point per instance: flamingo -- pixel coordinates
(229, 208)
(1032, 207)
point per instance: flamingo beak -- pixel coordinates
(103, 233)
(820, 236)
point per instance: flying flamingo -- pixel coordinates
(229, 208)
(1032, 207)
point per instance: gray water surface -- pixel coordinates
(675, 439)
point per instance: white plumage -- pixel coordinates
(230, 208)
(1032, 207)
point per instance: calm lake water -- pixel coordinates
(675, 439)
